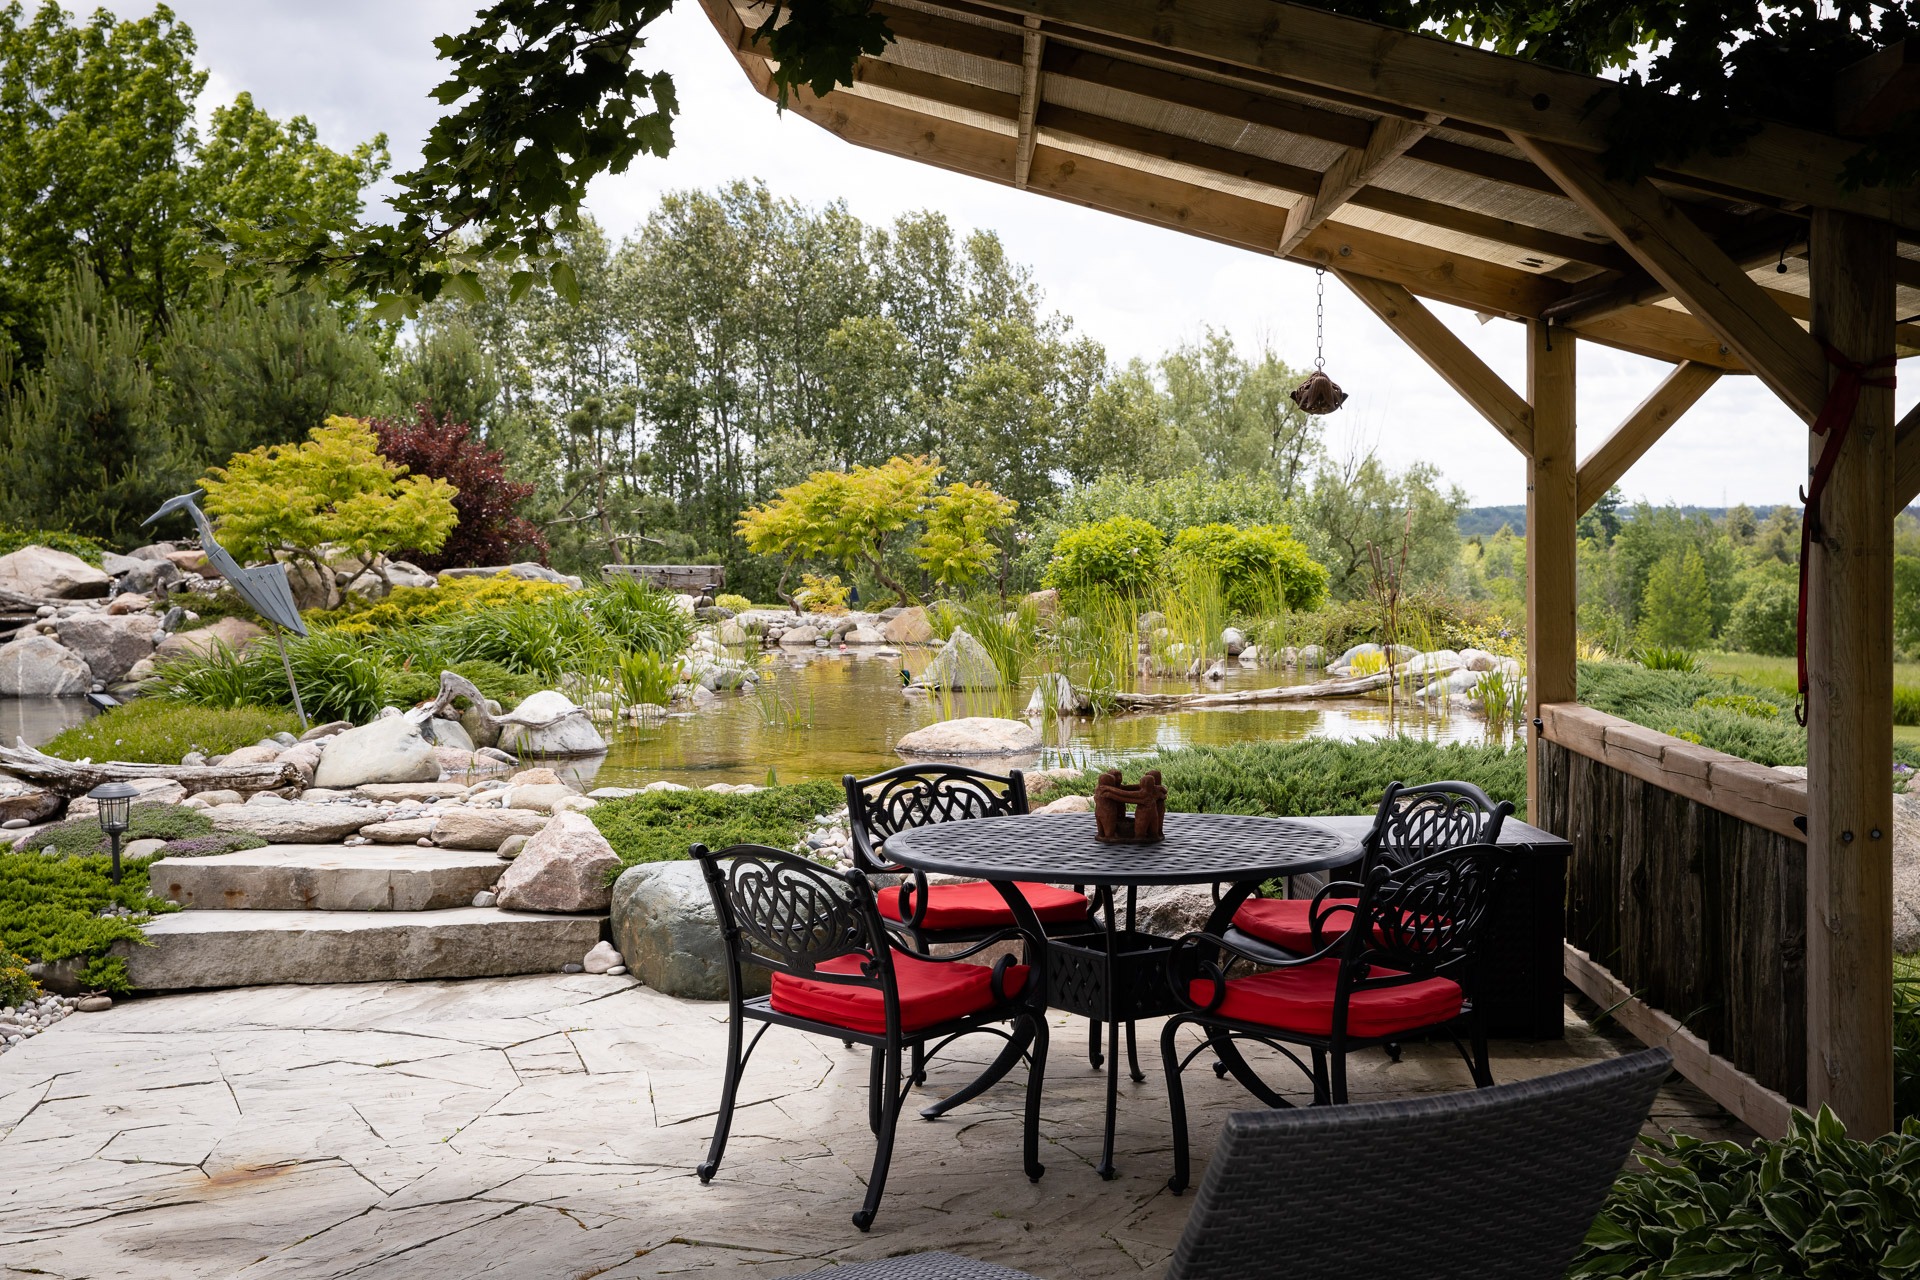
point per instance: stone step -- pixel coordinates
(327, 877)
(194, 949)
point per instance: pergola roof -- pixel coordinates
(1393, 158)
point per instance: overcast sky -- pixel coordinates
(357, 68)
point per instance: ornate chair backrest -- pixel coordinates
(919, 795)
(1421, 920)
(782, 912)
(1415, 822)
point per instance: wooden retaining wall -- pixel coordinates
(1686, 896)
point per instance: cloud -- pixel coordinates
(356, 68)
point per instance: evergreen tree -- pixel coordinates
(1677, 610)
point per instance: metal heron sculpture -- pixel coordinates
(264, 587)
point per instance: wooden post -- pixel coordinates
(1552, 511)
(1850, 704)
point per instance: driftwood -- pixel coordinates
(1347, 688)
(74, 778)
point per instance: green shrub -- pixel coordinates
(1260, 567)
(152, 731)
(1666, 658)
(646, 677)
(1815, 1203)
(1766, 618)
(1695, 703)
(1906, 704)
(737, 604)
(409, 606)
(50, 910)
(1744, 704)
(13, 538)
(17, 986)
(659, 826)
(1123, 555)
(637, 618)
(1317, 777)
(82, 837)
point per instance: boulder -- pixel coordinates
(864, 635)
(236, 634)
(1346, 659)
(971, 736)
(563, 868)
(800, 637)
(305, 757)
(1312, 656)
(1250, 656)
(1234, 640)
(664, 927)
(484, 828)
(399, 831)
(193, 560)
(293, 823)
(388, 750)
(313, 587)
(540, 776)
(962, 663)
(1046, 603)
(47, 574)
(539, 797)
(1068, 804)
(1174, 909)
(130, 602)
(548, 724)
(24, 802)
(450, 733)
(38, 666)
(258, 753)
(510, 847)
(909, 626)
(1478, 660)
(526, 569)
(147, 576)
(219, 796)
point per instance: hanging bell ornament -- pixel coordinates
(1319, 394)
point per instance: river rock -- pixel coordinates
(293, 823)
(664, 926)
(602, 958)
(236, 634)
(563, 868)
(962, 663)
(24, 802)
(484, 828)
(909, 626)
(539, 797)
(548, 724)
(47, 574)
(1234, 640)
(131, 602)
(800, 637)
(38, 666)
(510, 847)
(399, 831)
(1250, 656)
(971, 736)
(388, 750)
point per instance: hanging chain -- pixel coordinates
(1320, 318)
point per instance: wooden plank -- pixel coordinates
(1761, 1109)
(1551, 540)
(1425, 73)
(1033, 46)
(1675, 334)
(1356, 167)
(1449, 357)
(1487, 227)
(1773, 803)
(1677, 393)
(1906, 460)
(1067, 122)
(924, 85)
(1850, 705)
(1706, 281)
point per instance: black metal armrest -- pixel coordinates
(1187, 952)
(992, 939)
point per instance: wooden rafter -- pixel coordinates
(1349, 175)
(1906, 459)
(1679, 391)
(1749, 248)
(1427, 74)
(1449, 357)
(1033, 45)
(1695, 270)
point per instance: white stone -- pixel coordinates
(51, 575)
(1067, 804)
(388, 750)
(602, 958)
(548, 724)
(971, 736)
(909, 626)
(38, 666)
(484, 828)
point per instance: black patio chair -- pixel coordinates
(918, 795)
(1495, 1184)
(838, 971)
(1406, 964)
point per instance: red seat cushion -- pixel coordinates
(1287, 924)
(1302, 1000)
(978, 905)
(930, 993)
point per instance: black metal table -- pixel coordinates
(1117, 974)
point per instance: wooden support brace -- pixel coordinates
(1697, 271)
(1677, 393)
(1551, 537)
(1388, 141)
(1034, 47)
(1449, 357)
(1906, 459)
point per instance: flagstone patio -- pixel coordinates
(548, 1126)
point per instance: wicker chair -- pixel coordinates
(1495, 1184)
(839, 971)
(1405, 964)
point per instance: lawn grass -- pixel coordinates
(150, 731)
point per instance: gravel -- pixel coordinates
(22, 1023)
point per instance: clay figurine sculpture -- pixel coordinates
(1111, 799)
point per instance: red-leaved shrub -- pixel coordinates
(490, 531)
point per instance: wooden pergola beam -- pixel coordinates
(1552, 540)
(1033, 46)
(1697, 272)
(1449, 357)
(1427, 74)
(1906, 460)
(1679, 391)
(1347, 176)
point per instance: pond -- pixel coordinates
(821, 714)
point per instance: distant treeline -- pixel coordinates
(1484, 522)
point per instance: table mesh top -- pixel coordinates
(1060, 848)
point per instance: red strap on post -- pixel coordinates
(1836, 416)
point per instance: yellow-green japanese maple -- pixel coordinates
(329, 499)
(961, 520)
